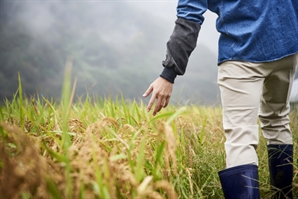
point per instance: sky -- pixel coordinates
(163, 9)
(41, 16)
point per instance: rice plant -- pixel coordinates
(108, 149)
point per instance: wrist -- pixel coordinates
(169, 74)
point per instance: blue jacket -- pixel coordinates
(250, 30)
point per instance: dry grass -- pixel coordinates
(117, 150)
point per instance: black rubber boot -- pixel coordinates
(240, 182)
(281, 170)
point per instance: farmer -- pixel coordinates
(257, 58)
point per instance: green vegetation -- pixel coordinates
(114, 149)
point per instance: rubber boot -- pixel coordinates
(240, 182)
(281, 170)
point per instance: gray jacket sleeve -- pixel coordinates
(179, 47)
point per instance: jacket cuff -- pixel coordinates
(169, 74)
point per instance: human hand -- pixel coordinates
(161, 90)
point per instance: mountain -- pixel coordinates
(115, 47)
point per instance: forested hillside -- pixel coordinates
(115, 48)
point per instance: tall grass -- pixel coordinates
(114, 149)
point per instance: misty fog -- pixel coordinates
(117, 47)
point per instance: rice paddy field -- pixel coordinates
(110, 149)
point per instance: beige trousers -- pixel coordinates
(252, 90)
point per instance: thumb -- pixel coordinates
(148, 91)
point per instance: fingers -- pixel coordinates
(148, 91)
(158, 105)
(161, 102)
(151, 102)
(166, 102)
(161, 91)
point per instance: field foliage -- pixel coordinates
(103, 148)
